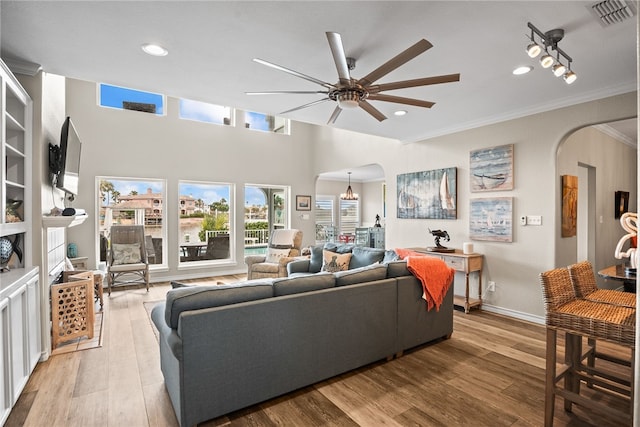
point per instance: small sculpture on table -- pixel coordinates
(439, 234)
(377, 224)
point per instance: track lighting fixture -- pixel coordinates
(550, 39)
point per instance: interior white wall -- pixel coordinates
(616, 169)
(133, 144)
(122, 143)
(514, 267)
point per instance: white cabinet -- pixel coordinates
(19, 333)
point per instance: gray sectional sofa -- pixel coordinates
(227, 347)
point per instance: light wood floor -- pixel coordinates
(490, 373)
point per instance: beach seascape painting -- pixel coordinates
(491, 169)
(428, 194)
(491, 219)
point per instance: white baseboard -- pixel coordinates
(513, 313)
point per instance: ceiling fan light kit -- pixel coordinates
(550, 39)
(350, 93)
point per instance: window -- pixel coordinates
(131, 99)
(206, 231)
(349, 216)
(266, 123)
(266, 209)
(204, 112)
(324, 218)
(130, 201)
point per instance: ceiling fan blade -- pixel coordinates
(310, 104)
(426, 81)
(294, 73)
(401, 100)
(339, 57)
(334, 115)
(395, 62)
(288, 92)
(372, 110)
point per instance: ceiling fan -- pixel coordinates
(352, 93)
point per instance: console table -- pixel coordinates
(465, 263)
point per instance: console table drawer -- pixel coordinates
(455, 263)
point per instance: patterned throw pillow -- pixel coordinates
(126, 253)
(275, 255)
(333, 261)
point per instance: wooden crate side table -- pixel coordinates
(72, 312)
(465, 263)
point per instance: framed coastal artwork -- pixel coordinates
(491, 169)
(491, 219)
(428, 194)
(303, 203)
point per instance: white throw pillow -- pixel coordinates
(275, 255)
(126, 253)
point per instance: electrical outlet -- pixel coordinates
(492, 286)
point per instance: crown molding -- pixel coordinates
(18, 66)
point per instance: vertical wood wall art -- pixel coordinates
(569, 205)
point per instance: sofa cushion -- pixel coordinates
(199, 297)
(333, 261)
(364, 274)
(317, 260)
(298, 284)
(390, 255)
(397, 269)
(363, 256)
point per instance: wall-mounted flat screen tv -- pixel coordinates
(69, 160)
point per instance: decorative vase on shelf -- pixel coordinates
(6, 250)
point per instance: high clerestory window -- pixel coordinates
(266, 122)
(131, 99)
(205, 112)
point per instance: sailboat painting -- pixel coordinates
(491, 219)
(491, 169)
(428, 194)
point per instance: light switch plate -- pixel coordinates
(534, 219)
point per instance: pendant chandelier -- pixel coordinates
(349, 195)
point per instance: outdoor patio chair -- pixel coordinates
(127, 261)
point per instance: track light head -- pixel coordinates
(558, 69)
(546, 60)
(533, 50)
(570, 77)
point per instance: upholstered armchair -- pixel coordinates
(284, 247)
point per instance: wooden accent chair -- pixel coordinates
(578, 318)
(127, 261)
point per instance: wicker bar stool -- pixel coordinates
(584, 285)
(579, 318)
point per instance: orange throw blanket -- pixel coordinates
(433, 273)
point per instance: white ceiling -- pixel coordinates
(211, 46)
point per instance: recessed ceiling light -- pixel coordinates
(154, 49)
(522, 70)
(400, 112)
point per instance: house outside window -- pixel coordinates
(206, 232)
